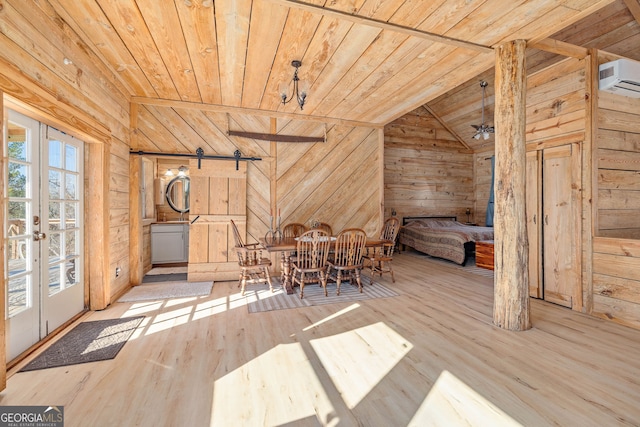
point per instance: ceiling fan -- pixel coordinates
(482, 130)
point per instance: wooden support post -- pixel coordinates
(511, 286)
(97, 226)
(135, 221)
(135, 205)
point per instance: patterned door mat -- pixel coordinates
(87, 342)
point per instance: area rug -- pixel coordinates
(87, 342)
(260, 299)
(166, 290)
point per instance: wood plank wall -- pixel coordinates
(427, 171)
(82, 98)
(333, 182)
(618, 157)
(616, 247)
(119, 216)
(556, 103)
(555, 115)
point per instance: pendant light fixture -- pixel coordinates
(299, 95)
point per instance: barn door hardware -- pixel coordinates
(199, 154)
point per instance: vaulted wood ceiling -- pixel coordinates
(367, 61)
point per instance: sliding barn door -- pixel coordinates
(218, 194)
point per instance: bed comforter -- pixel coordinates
(442, 238)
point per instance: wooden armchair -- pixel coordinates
(252, 265)
(379, 258)
(347, 258)
(310, 264)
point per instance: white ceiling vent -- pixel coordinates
(621, 77)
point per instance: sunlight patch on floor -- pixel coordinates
(141, 308)
(210, 308)
(452, 403)
(170, 319)
(181, 301)
(190, 310)
(359, 359)
(139, 332)
(237, 300)
(264, 391)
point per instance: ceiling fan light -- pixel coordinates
(482, 129)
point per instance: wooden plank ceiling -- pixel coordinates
(367, 61)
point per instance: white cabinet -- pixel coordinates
(169, 243)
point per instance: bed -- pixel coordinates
(442, 237)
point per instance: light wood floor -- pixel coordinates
(430, 356)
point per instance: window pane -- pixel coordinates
(70, 214)
(55, 184)
(71, 187)
(70, 273)
(71, 162)
(18, 254)
(71, 244)
(54, 215)
(17, 180)
(17, 213)
(54, 279)
(55, 155)
(17, 295)
(17, 149)
(54, 246)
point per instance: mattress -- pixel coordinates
(442, 238)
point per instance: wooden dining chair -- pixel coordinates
(310, 264)
(326, 227)
(290, 230)
(379, 258)
(293, 229)
(346, 261)
(253, 266)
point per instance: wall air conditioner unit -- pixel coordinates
(621, 77)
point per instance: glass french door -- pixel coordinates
(44, 244)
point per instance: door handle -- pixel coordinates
(534, 219)
(546, 220)
(39, 236)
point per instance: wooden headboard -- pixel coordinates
(411, 218)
